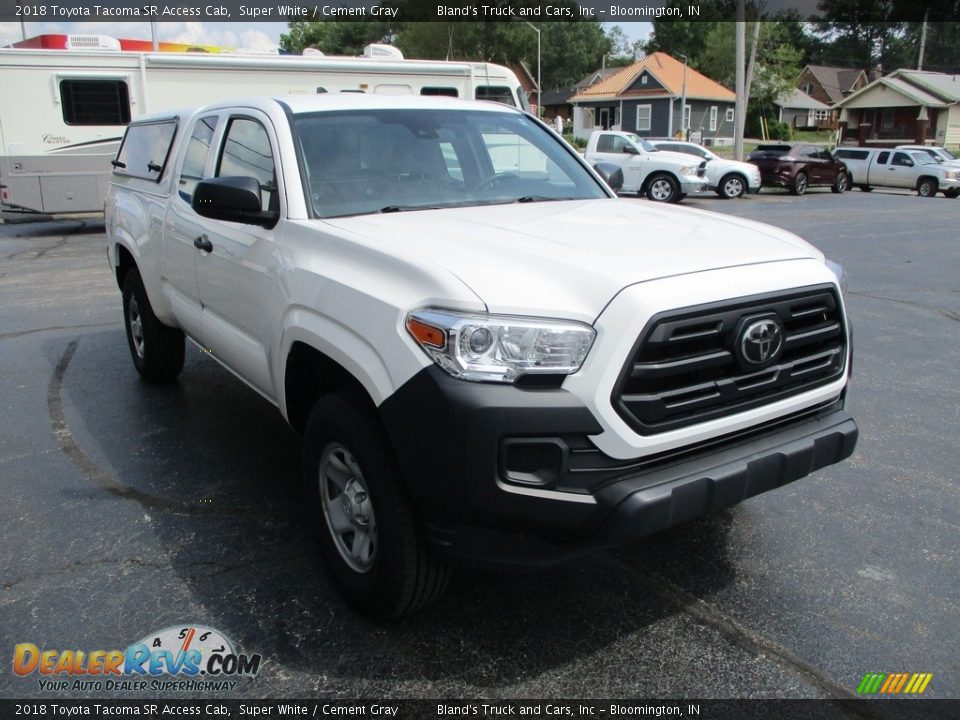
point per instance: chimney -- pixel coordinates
(876, 73)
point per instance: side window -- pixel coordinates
(95, 102)
(619, 144)
(901, 159)
(145, 150)
(810, 152)
(496, 93)
(246, 153)
(882, 158)
(444, 91)
(825, 155)
(605, 143)
(198, 148)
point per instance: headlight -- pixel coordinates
(950, 175)
(837, 270)
(499, 348)
(688, 170)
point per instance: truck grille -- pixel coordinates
(696, 364)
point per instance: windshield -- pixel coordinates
(945, 154)
(641, 143)
(922, 158)
(367, 161)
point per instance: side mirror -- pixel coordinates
(630, 150)
(236, 199)
(611, 173)
(908, 163)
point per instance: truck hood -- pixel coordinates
(568, 259)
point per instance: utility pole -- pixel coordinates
(740, 106)
(923, 39)
(683, 102)
(537, 31)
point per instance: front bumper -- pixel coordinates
(690, 184)
(454, 440)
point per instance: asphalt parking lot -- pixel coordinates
(128, 508)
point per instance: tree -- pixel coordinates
(859, 33)
(333, 38)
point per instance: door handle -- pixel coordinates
(203, 243)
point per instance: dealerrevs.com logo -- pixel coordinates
(191, 658)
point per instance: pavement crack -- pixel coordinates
(950, 314)
(102, 478)
(20, 333)
(744, 637)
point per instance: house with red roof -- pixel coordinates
(645, 98)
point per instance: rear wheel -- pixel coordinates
(366, 525)
(157, 350)
(840, 184)
(799, 186)
(926, 187)
(732, 186)
(849, 182)
(663, 188)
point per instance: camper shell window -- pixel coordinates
(95, 102)
(145, 149)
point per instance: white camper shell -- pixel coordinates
(64, 112)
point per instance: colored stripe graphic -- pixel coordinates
(894, 683)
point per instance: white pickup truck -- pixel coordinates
(490, 357)
(911, 169)
(663, 175)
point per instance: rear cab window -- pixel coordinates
(145, 149)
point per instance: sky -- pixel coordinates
(250, 35)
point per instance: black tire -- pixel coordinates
(840, 184)
(732, 186)
(926, 187)
(663, 188)
(157, 350)
(850, 185)
(392, 573)
(799, 185)
(951, 193)
(865, 188)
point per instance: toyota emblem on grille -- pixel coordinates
(761, 341)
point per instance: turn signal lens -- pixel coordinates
(426, 334)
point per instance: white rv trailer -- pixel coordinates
(64, 111)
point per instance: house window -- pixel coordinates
(644, 113)
(729, 114)
(808, 88)
(886, 119)
(643, 79)
(95, 102)
(713, 118)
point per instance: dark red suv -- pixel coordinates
(798, 166)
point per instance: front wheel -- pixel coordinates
(799, 186)
(732, 186)
(951, 193)
(840, 184)
(365, 523)
(157, 350)
(927, 187)
(663, 188)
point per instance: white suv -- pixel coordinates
(489, 355)
(728, 178)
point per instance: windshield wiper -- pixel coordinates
(407, 208)
(541, 198)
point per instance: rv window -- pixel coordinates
(444, 91)
(95, 102)
(246, 153)
(196, 156)
(145, 149)
(496, 93)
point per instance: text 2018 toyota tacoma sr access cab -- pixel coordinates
(490, 356)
